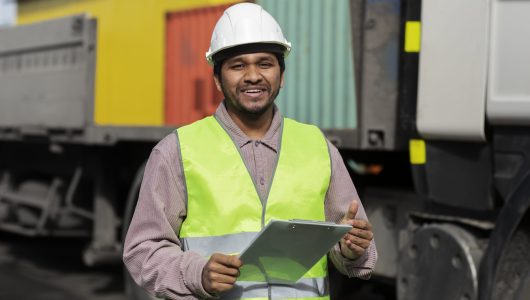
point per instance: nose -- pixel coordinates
(252, 74)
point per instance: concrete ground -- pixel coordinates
(52, 269)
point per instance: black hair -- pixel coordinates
(220, 57)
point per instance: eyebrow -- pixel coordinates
(259, 59)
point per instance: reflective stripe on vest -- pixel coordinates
(224, 210)
(303, 288)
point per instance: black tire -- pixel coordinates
(505, 267)
(512, 279)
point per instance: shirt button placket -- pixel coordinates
(259, 166)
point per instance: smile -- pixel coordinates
(254, 93)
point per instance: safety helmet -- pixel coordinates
(245, 24)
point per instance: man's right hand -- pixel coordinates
(220, 273)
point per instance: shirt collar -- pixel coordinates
(271, 138)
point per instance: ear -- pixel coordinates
(282, 79)
(217, 83)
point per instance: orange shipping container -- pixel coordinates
(190, 90)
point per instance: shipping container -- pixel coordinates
(319, 69)
(129, 82)
(191, 93)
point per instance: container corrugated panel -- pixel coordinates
(190, 90)
(130, 47)
(319, 79)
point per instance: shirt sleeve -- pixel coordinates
(338, 198)
(152, 249)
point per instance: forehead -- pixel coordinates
(258, 56)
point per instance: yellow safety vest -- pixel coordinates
(224, 211)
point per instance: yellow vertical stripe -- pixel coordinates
(412, 36)
(417, 152)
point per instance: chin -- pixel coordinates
(254, 111)
(257, 109)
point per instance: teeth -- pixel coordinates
(253, 91)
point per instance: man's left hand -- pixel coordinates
(357, 240)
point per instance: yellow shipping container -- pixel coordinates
(130, 56)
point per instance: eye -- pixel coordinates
(265, 65)
(237, 67)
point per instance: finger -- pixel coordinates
(361, 224)
(226, 260)
(357, 241)
(220, 278)
(222, 269)
(357, 250)
(364, 234)
(352, 210)
(348, 221)
(234, 261)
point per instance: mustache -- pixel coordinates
(254, 87)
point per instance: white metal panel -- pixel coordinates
(509, 73)
(46, 74)
(453, 67)
(8, 13)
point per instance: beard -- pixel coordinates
(249, 109)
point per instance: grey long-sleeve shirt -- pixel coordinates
(152, 249)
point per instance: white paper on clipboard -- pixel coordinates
(285, 250)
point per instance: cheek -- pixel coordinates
(231, 83)
(275, 78)
(278, 81)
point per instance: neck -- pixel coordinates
(254, 126)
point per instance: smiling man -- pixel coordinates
(210, 187)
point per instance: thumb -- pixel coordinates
(352, 210)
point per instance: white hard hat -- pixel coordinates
(242, 24)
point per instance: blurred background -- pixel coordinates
(428, 102)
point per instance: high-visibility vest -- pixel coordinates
(224, 211)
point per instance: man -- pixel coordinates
(210, 188)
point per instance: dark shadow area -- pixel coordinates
(45, 268)
(342, 287)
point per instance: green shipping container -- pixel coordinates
(319, 79)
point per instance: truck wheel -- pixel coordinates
(512, 279)
(505, 269)
(132, 290)
(439, 262)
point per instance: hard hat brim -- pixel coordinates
(228, 52)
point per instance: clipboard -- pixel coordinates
(285, 250)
